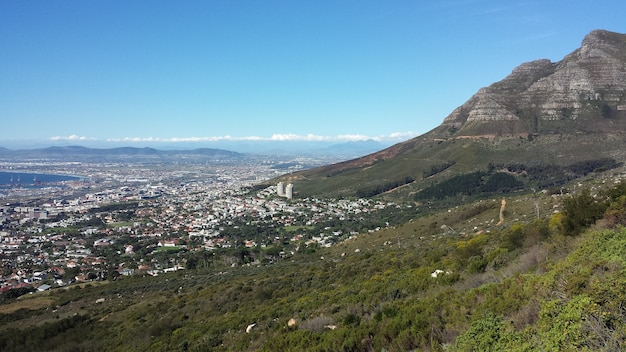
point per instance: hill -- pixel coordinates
(543, 114)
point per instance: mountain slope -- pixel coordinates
(543, 113)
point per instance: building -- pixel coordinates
(289, 191)
(280, 189)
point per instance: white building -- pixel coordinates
(289, 191)
(280, 189)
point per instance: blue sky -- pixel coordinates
(148, 72)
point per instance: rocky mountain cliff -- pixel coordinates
(543, 113)
(584, 92)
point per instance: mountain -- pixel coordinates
(581, 93)
(78, 153)
(544, 114)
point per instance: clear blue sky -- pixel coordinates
(132, 72)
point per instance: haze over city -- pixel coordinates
(202, 73)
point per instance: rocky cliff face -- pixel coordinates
(584, 92)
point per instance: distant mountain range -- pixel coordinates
(543, 114)
(81, 153)
(78, 153)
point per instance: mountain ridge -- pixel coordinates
(543, 112)
(540, 92)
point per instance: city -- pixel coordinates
(125, 219)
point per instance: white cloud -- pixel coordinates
(299, 138)
(72, 137)
(400, 136)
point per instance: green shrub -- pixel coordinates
(490, 333)
(581, 211)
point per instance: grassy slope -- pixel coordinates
(468, 155)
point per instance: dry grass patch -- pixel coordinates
(30, 302)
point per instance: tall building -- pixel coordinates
(289, 191)
(280, 189)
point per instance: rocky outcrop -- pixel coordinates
(587, 87)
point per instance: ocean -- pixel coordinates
(31, 180)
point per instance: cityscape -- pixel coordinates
(122, 219)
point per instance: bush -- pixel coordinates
(489, 333)
(561, 325)
(581, 211)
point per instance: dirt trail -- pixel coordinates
(502, 207)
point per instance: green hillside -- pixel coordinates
(540, 280)
(426, 163)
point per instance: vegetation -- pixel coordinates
(435, 169)
(513, 177)
(471, 184)
(378, 189)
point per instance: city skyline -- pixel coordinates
(203, 73)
